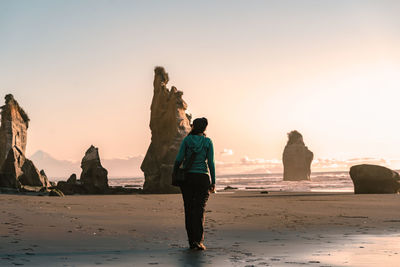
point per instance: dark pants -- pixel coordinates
(195, 195)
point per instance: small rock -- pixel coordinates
(56, 193)
(230, 188)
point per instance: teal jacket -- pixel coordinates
(203, 147)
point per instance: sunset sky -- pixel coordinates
(83, 71)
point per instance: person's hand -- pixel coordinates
(211, 189)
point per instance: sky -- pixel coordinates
(83, 71)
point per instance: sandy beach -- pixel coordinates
(288, 109)
(242, 229)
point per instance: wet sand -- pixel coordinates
(242, 229)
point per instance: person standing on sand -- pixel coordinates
(197, 185)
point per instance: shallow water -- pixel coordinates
(320, 182)
(238, 248)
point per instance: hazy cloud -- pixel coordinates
(260, 165)
(259, 161)
(226, 152)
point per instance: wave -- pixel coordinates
(320, 182)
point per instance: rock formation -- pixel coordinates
(56, 193)
(16, 171)
(169, 124)
(296, 158)
(69, 188)
(93, 174)
(72, 179)
(13, 129)
(45, 179)
(93, 178)
(374, 179)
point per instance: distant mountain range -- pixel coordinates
(130, 167)
(117, 168)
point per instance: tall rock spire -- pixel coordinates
(16, 171)
(13, 129)
(169, 124)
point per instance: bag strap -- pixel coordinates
(190, 160)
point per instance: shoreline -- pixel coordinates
(242, 228)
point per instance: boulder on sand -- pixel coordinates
(374, 179)
(169, 124)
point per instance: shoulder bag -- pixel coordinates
(178, 175)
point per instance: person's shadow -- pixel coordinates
(193, 258)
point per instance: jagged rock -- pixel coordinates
(230, 188)
(56, 193)
(72, 179)
(46, 180)
(374, 179)
(119, 190)
(7, 190)
(13, 129)
(296, 158)
(18, 171)
(40, 190)
(169, 124)
(93, 176)
(71, 189)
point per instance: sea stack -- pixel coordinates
(297, 158)
(93, 179)
(374, 179)
(16, 171)
(93, 176)
(169, 124)
(13, 129)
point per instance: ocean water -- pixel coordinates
(320, 182)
